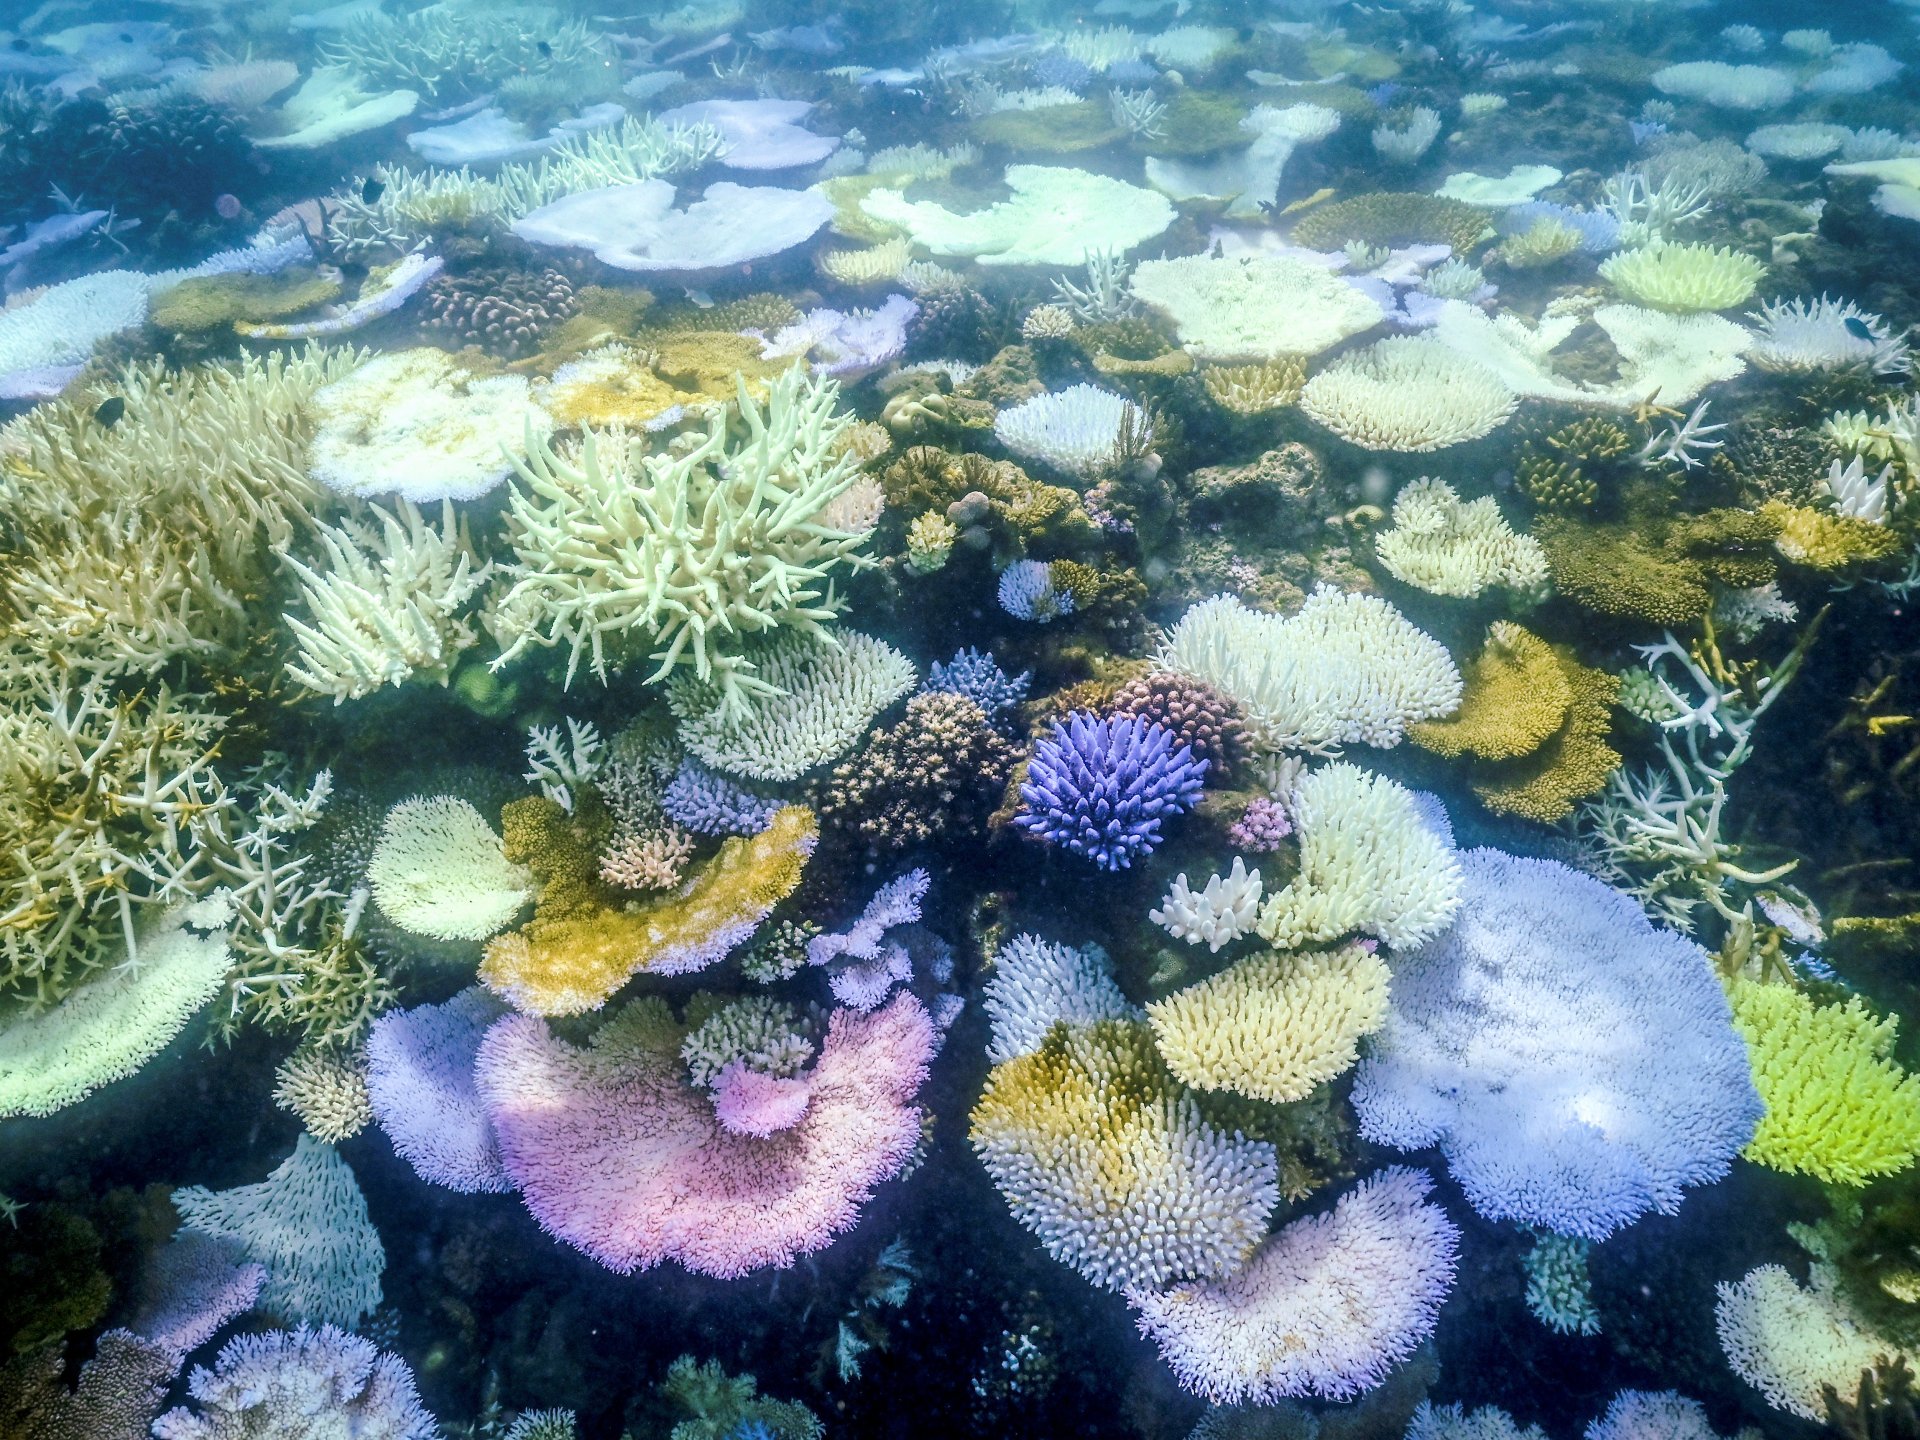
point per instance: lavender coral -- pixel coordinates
(974, 674)
(709, 803)
(420, 1085)
(301, 1385)
(1100, 787)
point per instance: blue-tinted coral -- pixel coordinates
(710, 804)
(1100, 787)
(974, 674)
(1599, 230)
(1057, 67)
(1027, 593)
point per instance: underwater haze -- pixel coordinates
(849, 720)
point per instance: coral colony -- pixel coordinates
(1140, 721)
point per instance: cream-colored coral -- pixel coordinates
(439, 870)
(690, 551)
(876, 265)
(1680, 277)
(1253, 307)
(384, 605)
(1448, 546)
(1368, 863)
(1345, 669)
(653, 860)
(1273, 1026)
(326, 1086)
(1217, 915)
(930, 540)
(1790, 1342)
(1409, 393)
(1250, 389)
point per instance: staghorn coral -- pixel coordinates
(428, 50)
(935, 772)
(1273, 1026)
(716, 548)
(584, 942)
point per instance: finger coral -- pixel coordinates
(1101, 787)
(1219, 914)
(719, 544)
(583, 943)
(1273, 1026)
(1838, 1106)
(616, 1154)
(1325, 1308)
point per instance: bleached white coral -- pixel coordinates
(1055, 215)
(1075, 430)
(1036, 983)
(326, 1087)
(1217, 915)
(1789, 1342)
(1325, 1308)
(171, 965)
(1669, 359)
(1855, 494)
(1684, 278)
(1253, 307)
(690, 551)
(1801, 336)
(826, 694)
(1729, 87)
(412, 423)
(1452, 547)
(385, 605)
(307, 1223)
(1410, 393)
(1344, 669)
(301, 1385)
(1653, 1415)
(1369, 862)
(439, 870)
(1452, 1422)
(1803, 140)
(1402, 145)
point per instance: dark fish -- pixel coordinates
(371, 189)
(109, 411)
(1857, 328)
(545, 49)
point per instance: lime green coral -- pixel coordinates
(1838, 1107)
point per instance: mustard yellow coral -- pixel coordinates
(1516, 696)
(1821, 541)
(583, 943)
(1838, 1107)
(1538, 719)
(1273, 1026)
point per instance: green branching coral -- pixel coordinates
(683, 555)
(1838, 1107)
(1392, 218)
(718, 1405)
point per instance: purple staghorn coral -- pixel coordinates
(1100, 787)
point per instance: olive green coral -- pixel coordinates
(1394, 218)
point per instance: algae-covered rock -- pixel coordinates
(1051, 129)
(208, 302)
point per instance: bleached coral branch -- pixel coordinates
(386, 605)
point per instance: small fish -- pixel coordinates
(701, 298)
(1857, 328)
(545, 48)
(371, 190)
(109, 411)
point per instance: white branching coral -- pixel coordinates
(1409, 393)
(1369, 862)
(171, 965)
(326, 1087)
(1855, 494)
(1452, 547)
(1345, 669)
(827, 690)
(385, 605)
(1253, 307)
(1799, 336)
(1217, 915)
(690, 551)
(1036, 983)
(439, 870)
